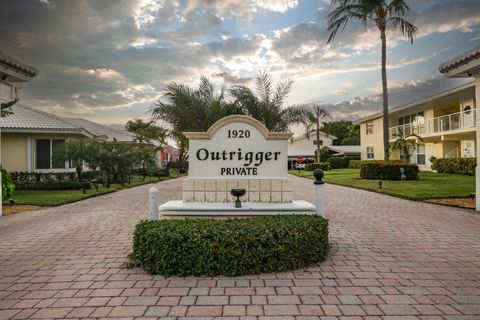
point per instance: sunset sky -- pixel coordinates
(108, 61)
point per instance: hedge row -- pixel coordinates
(464, 166)
(388, 171)
(317, 165)
(354, 164)
(338, 162)
(341, 162)
(234, 246)
(53, 185)
(27, 177)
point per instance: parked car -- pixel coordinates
(299, 166)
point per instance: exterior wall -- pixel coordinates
(305, 147)
(374, 140)
(218, 190)
(9, 90)
(14, 151)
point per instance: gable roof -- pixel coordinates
(312, 135)
(463, 64)
(15, 64)
(101, 131)
(345, 149)
(26, 118)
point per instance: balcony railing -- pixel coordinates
(451, 122)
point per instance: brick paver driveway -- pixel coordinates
(391, 259)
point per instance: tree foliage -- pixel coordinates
(346, 132)
(405, 143)
(6, 108)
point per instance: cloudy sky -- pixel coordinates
(108, 60)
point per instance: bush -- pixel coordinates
(464, 166)
(54, 185)
(7, 185)
(354, 164)
(321, 165)
(338, 162)
(158, 172)
(234, 246)
(48, 181)
(388, 171)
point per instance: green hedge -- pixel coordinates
(388, 171)
(234, 246)
(354, 164)
(465, 166)
(338, 162)
(53, 185)
(7, 185)
(318, 165)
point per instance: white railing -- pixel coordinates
(451, 122)
(454, 153)
(406, 130)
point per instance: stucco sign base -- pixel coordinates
(181, 208)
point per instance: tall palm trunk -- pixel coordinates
(386, 146)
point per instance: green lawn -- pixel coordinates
(59, 197)
(430, 185)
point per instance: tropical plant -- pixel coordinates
(145, 132)
(188, 109)
(8, 186)
(267, 103)
(75, 150)
(6, 108)
(406, 142)
(385, 14)
(314, 115)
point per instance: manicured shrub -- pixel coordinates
(320, 165)
(234, 246)
(388, 171)
(338, 162)
(464, 166)
(48, 181)
(158, 172)
(354, 164)
(54, 185)
(7, 185)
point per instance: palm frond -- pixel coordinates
(405, 27)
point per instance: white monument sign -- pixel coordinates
(237, 152)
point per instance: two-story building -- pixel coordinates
(446, 122)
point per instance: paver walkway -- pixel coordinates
(391, 259)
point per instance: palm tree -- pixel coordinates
(145, 132)
(385, 14)
(188, 109)
(267, 105)
(314, 115)
(404, 142)
(75, 150)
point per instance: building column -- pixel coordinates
(477, 143)
(29, 154)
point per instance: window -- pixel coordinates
(319, 142)
(45, 151)
(370, 153)
(369, 128)
(43, 154)
(421, 154)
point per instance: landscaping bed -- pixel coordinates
(233, 246)
(12, 209)
(59, 197)
(429, 185)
